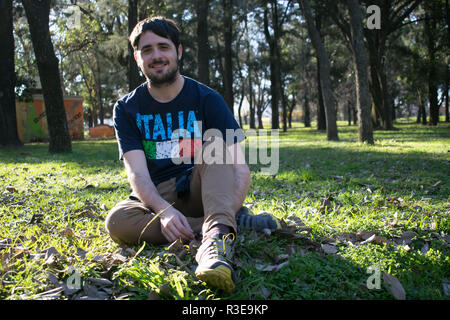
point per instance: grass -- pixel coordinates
(337, 189)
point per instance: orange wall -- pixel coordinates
(32, 121)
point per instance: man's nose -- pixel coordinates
(156, 54)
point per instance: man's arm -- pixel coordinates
(241, 175)
(173, 223)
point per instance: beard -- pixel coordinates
(164, 78)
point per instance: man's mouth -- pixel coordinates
(158, 65)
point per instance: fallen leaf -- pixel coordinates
(369, 240)
(265, 293)
(446, 288)
(117, 258)
(329, 248)
(382, 240)
(51, 293)
(51, 256)
(271, 268)
(11, 189)
(437, 184)
(364, 235)
(100, 281)
(67, 232)
(407, 237)
(393, 285)
(52, 278)
(293, 248)
(152, 295)
(293, 220)
(125, 295)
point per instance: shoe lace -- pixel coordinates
(221, 249)
(225, 237)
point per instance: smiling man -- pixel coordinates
(160, 122)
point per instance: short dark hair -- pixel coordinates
(163, 27)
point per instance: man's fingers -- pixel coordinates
(182, 230)
(168, 234)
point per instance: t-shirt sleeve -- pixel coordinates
(127, 132)
(219, 116)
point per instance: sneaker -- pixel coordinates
(214, 261)
(246, 221)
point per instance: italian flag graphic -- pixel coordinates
(171, 149)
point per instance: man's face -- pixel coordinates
(158, 58)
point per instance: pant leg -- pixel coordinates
(127, 220)
(210, 202)
(211, 194)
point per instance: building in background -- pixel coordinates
(32, 121)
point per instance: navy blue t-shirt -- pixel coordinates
(142, 123)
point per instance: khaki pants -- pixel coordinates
(209, 202)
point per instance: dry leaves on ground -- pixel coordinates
(393, 285)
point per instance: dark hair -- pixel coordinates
(163, 27)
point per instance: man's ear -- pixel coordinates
(135, 55)
(180, 51)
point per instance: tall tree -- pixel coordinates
(228, 51)
(37, 13)
(275, 79)
(8, 124)
(432, 9)
(392, 16)
(134, 78)
(321, 117)
(325, 80)
(447, 70)
(362, 78)
(202, 41)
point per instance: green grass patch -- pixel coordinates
(57, 204)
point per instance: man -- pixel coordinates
(159, 127)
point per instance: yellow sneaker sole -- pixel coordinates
(219, 277)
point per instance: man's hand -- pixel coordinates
(174, 225)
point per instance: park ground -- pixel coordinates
(360, 222)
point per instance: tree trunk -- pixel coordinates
(363, 102)
(291, 110)
(430, 32)
(446, 88)
(134, 78)
(98, 86)
(321, 118)
(38, 20)
(307, 112)
(259, 113)
(240, 107)
(447, 73)
(349, 113)
(228, 68)
(8, 124)
(202, 7)
(325, 80)
(421, 114)
(274, 73)
(284, 108)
